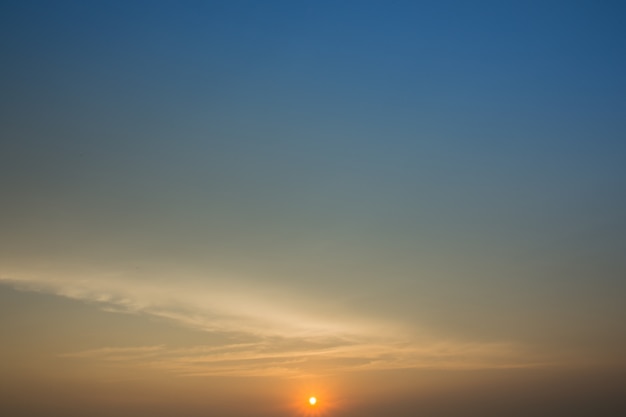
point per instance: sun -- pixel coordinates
(312, 400)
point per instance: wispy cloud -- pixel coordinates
(281, 340)
(199, 306)
(118, 354)
(263, 358)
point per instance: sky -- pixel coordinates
(223, 208)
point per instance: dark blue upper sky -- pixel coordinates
(525, 99)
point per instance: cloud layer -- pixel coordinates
(279, 339)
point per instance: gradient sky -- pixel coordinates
(405, 208)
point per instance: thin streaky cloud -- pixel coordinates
(200, 307)
(275, 344)
(253, 359)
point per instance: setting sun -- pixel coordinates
(312, 400)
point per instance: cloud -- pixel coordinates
(205, 306)
(283, 340)
(269, 358)
(117, 353)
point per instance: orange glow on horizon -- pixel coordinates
(313, 403)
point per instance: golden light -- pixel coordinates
(314, 400)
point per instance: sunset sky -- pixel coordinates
(223, 208)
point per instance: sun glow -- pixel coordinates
(318, 399)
